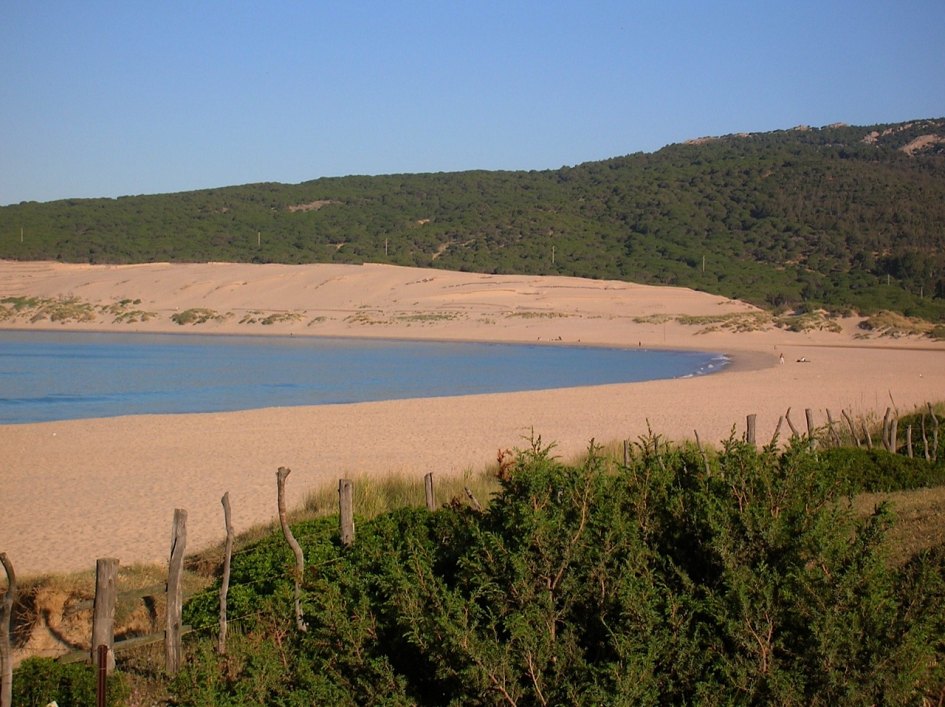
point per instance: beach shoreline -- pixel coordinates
(82, 489)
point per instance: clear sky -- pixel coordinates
(133, 96)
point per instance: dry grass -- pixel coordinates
(198, 315)
(808, 321)
(53, 613)
(374, 495)
(896, 325)
(269, 318)
(919, 520)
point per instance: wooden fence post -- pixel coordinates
(173, 648)
(886, 439)
(6, 619)
(809, 414)
(103, 611)
(834, 435)
(428, 491)
(281, 475)
(346, 511)
(225, 582)
(750, 429)
(909, 441)
(787, 416)
(852, 428)
(777, 430)
(934, 433)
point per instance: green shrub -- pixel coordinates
(39, 681)
(880, 470)
(742, 578)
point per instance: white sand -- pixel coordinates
(74, 491)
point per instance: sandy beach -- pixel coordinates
(75, 491)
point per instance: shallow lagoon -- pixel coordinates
(58, 376)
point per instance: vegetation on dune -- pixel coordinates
(679, 574)
(842, 218)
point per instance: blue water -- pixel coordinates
(59, 376)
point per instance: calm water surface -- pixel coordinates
(59, 376)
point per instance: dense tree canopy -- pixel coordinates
(850, 218)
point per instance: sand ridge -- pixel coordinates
(74, 491)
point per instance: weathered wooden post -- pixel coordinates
(777, 430)
(750, 429)
(428, 491)
(934, 434)
(887, 443)
(281, 475)
(173, 647)
(909, 441)
(346, 511)
(472, 499)
(834, 435)
(6, 620)
(925, 439)
(225, 582)
(852, 428)
(809, 414)
(103, 611)
(787, 416)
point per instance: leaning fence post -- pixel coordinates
(172, 631)
(852, 428)
(887, 443)
(909, 441)
(281, 475)
(346, 511)
(225, 582)
(777, 430)
(750, 429)
(794, 432)
(834, 435)
(6, 619)
(428, 491)
(103, 611)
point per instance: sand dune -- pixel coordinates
(75, 491)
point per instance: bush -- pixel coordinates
(39, 681)
(880, 470)
(745, 577)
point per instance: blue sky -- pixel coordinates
(115, 98)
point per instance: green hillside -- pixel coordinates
(847, 218)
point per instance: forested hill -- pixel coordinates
(850, 218)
